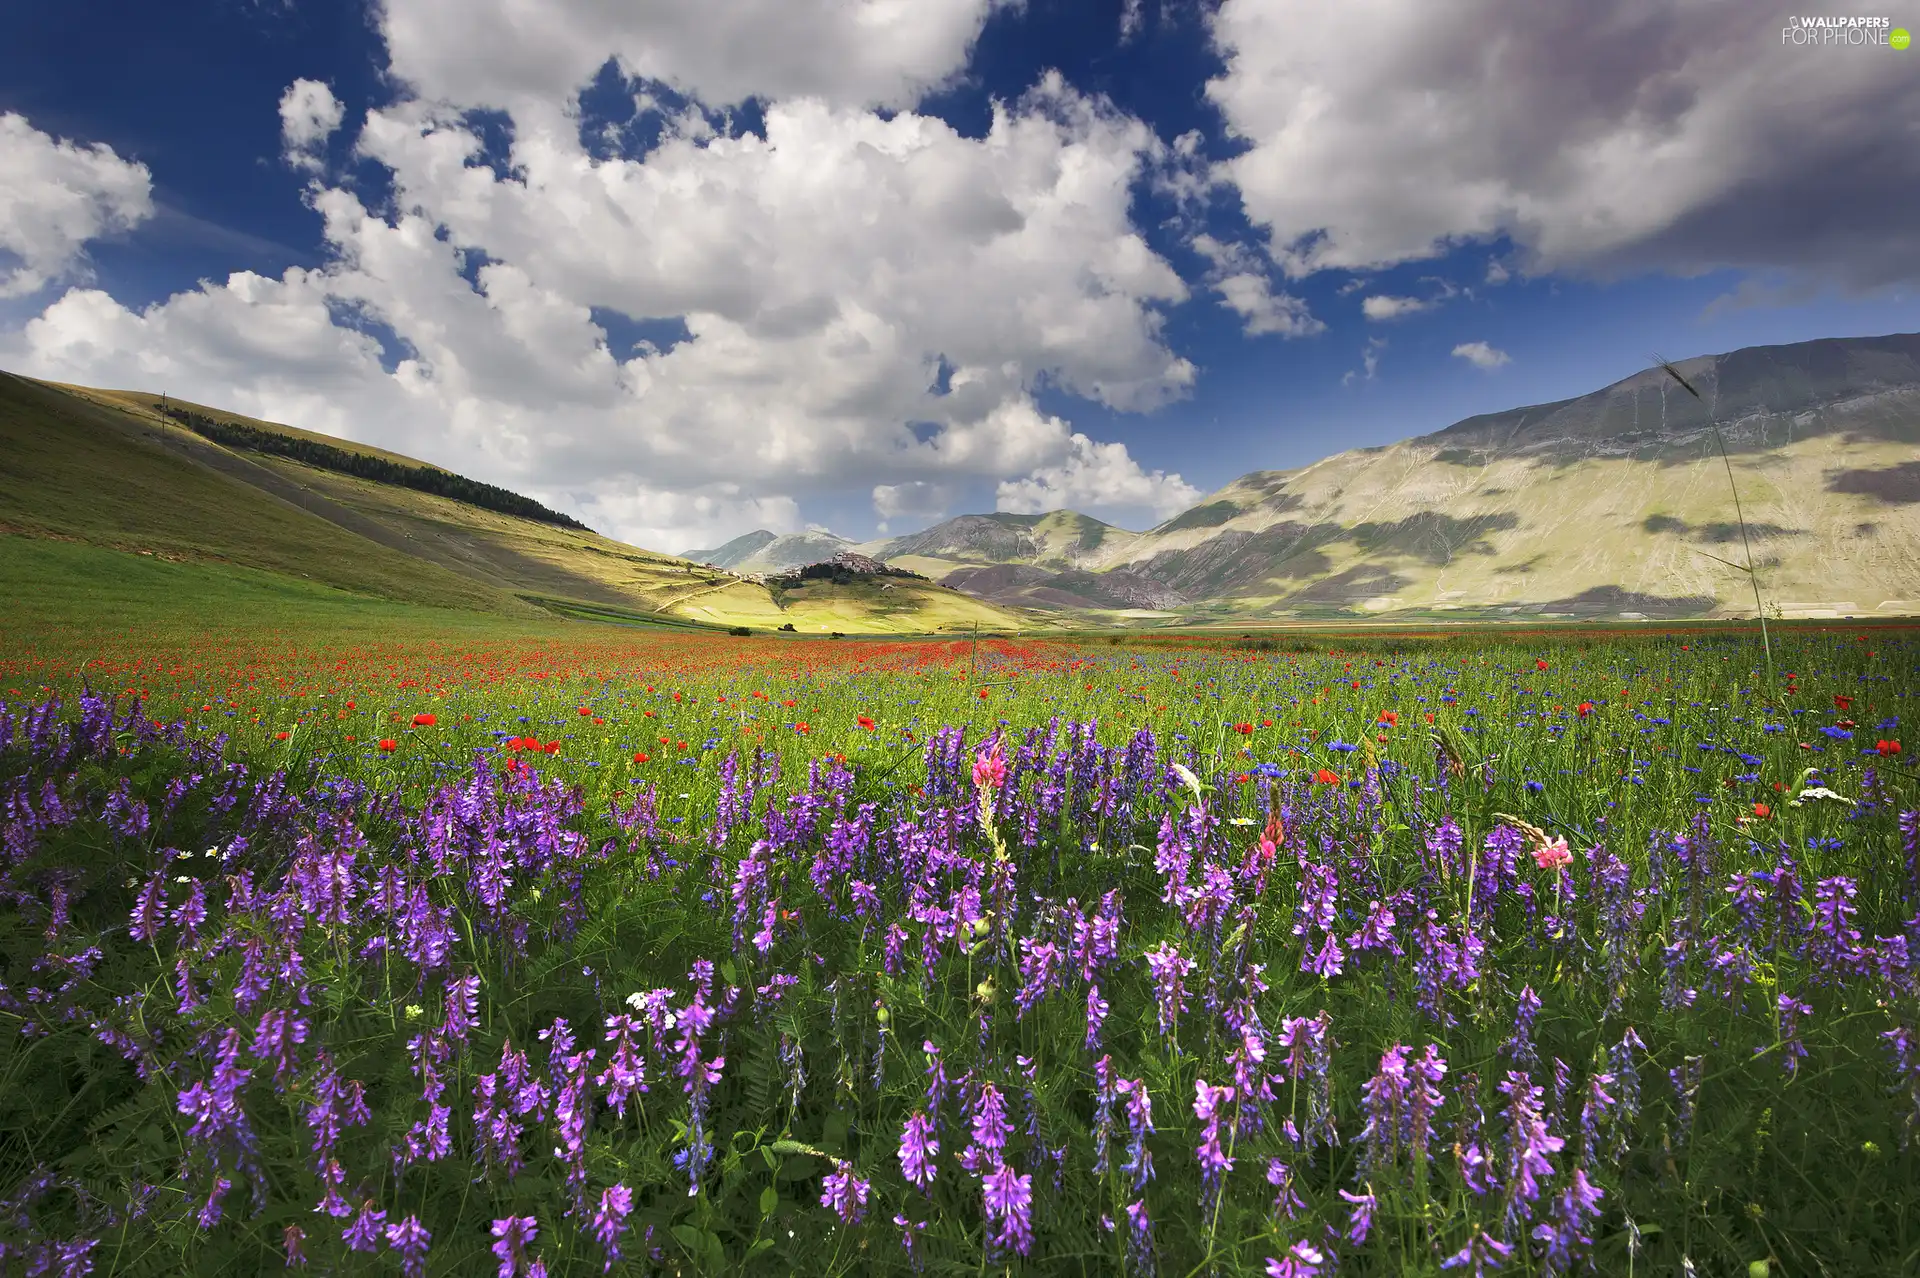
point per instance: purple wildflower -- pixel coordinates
(844, 1193)
(919, 1145)
(1140, 1247)
(1360, 1223)
(292, 1239)
(512, 1236)
(1169, 969)
(990, 1129)
(1096, 1017)
(364, 1233)
(1208, 1106)
(1286, 1200)
(410, 1238)
(1482, 1252)
(1139, 1164)
(1302, 1260)
(1008, 1198)
(1792, 1050)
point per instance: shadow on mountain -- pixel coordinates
(1720, 533)
(1433, 537)
(1605, 599)
(1027, 585)
(1894, 485)
(1362, 581)
(1237, 561)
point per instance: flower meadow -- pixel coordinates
(1523, 954)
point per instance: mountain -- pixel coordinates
(1062, 540)
(726, 556)
(132, 472)
(1611, 504)
(791, 550)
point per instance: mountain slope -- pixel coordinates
(1608, 504)
(791, 550)
(726, 556)
(113, 469)
(961, 550)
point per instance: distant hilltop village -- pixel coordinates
(842, 568)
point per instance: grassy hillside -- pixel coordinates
(107, 468)
(136, 600)
(1610, 505)
(79, 469)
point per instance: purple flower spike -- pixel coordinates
(1008, 1198)
(410, 1238)
(610, 1221)
(512, 1236)
(844, 1193)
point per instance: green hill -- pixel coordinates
(122, 470)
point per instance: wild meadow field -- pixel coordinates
(401, 949)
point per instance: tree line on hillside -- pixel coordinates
(426, 479)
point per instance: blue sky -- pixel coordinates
(418, 225)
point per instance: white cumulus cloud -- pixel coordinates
(309, 114)
(1481, 355)
(1384, 306)
(1678, 135)
(56, 196)
(1240, 279)
(513, 54)
(1096, 476)
(916, 499)
(822, 275)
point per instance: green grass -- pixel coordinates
(56, 590)
(79, 471)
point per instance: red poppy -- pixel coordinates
(1324, 777)
(1390, 717)
(802, 729)
(388, 743)
(585, 711)
(983, 694)
(1584, 709)
(1429, 716)
(639, 756)
(552, 747)
(865, 722)
(1842, 703)
(1540, 665)
(424, 720)
(1762, 811)
(1244, 729)
(1887, 747)
(279, 736)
